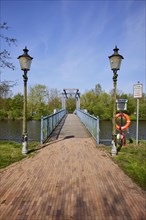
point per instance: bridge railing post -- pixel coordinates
(42, 123)
(97, 137)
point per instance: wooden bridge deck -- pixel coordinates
(73, 127)
(69, 179)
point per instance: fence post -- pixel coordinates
(42, 120)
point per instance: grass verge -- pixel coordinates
(10, 152)
(132, 160)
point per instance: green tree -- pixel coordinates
(103, 106)
(37, 101)
(88, 101)
(11, 108)
(142, 107)
(54, 103)
(15, 107)
(71, 104)
(54, 100)
(97, 103)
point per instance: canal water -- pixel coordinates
(12, 130)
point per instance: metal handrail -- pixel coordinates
(49, 123)
(91, 123)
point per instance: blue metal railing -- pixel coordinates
(49, 123)
(90, 122)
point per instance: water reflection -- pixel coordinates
(12, 130)
(106, 130)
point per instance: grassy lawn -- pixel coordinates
(132, 160)
(10, 152)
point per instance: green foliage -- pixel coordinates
(3, 114)
(42, 101)
(105, 102)
(12, 107)
(132, 160)
(89, 101)
(37, 101)
(70, 105)
(15, 107)
(99, 103)
(54, 103)
(142, 110)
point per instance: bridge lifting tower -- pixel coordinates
(71, 93)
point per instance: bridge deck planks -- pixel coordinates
(73, 127)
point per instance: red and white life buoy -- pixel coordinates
(128, 122)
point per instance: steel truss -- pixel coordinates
(74, 93)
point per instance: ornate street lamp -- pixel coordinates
(25, 62)
(115, 62)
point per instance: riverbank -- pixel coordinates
(10, 152)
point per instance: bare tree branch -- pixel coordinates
(5, 55)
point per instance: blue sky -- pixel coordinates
(70, 42)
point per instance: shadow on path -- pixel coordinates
(47, 144)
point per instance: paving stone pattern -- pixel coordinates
(69, 179)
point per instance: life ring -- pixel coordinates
(128, 122)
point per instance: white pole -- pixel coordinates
(137, 121)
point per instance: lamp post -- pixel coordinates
(25, 62)
(115, 62)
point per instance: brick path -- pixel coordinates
(69, 179)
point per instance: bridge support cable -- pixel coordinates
(49, 123)
(90, 122)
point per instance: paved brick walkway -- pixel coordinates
(69, 179)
